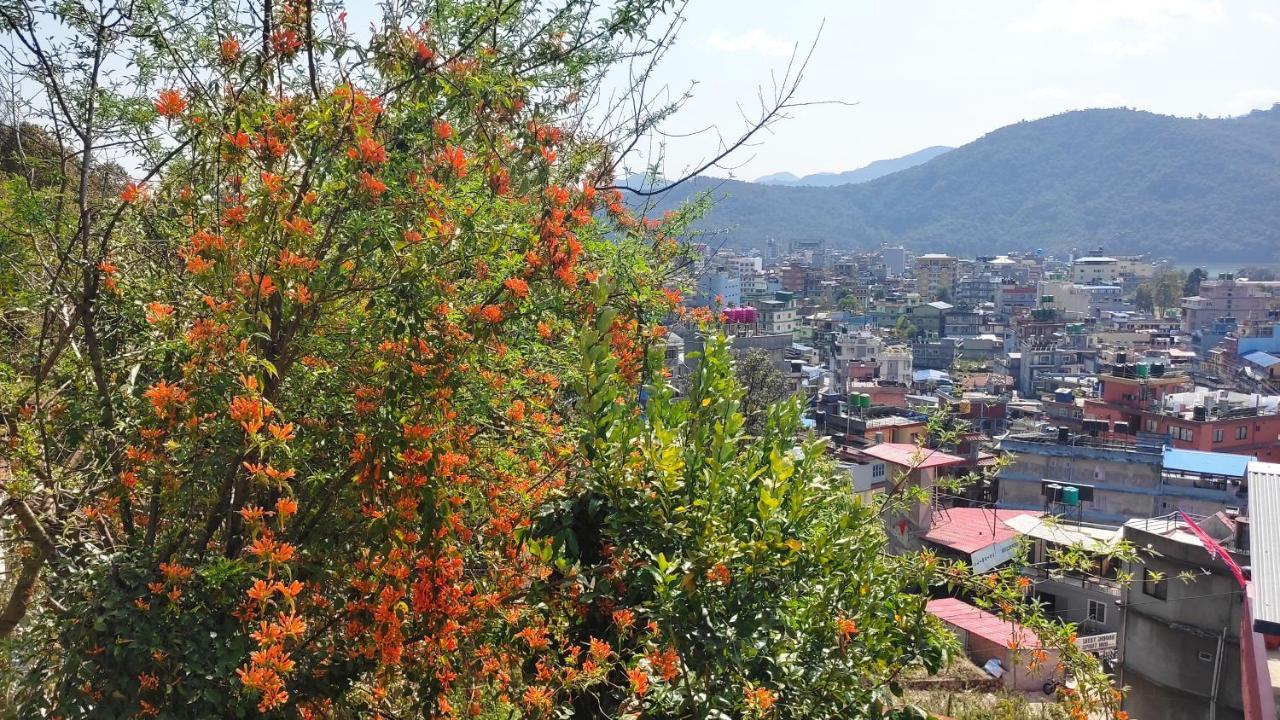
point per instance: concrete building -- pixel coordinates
(935, 274)
(895, 260)
(895, 364)
(939, 354)
(1225, 298)
(1096, 270)
(1118, 480)
(1181, 620)
(719, 286)
(976, 290)
(779, 316)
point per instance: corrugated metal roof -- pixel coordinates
(968, 530)
(1206, 463)
(1264, 545)
(911, 456)
(1262, 359)
(958, 613)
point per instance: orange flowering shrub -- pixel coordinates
(344, 401)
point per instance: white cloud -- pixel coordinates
(756, 42)
(1252, 99)
(1085, 16)
(1263, 18)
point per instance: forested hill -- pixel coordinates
(1130, 181)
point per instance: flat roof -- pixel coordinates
(1264, 545)
(985, 625)
(912, 456)
(1094, 539)
(1262, 359)
(1207, 463)
(968, 530)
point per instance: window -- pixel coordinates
(1242, 432)
(1097, 611)
(1181, 433)
(1158, 589)
(1152, 424)
(1217, 435)
(877, 470)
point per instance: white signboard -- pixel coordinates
(993, 556)
(1097, 643)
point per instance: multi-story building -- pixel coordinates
(1180, 624)
(930, 319)
(1242, 300)
(1118, 480)
(935, 274)
(895, 364)
(895, 260)
(974, 291)
(1096, 270)
(779, 316)
(935, 354)
(1011, 297)
(1152, 399)
(719, 286)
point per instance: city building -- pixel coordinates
(1180, 627)
(935, 274)
(1096, 270)
(1116, 479)
(895, 364)
(778, 316)
(1227, 297)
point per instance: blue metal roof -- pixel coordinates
(929, 375)
(1207, 463)
(1262, 359)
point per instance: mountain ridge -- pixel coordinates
(1126, 180)
(866, 173)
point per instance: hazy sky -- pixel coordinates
(945, 72)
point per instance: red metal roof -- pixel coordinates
(912, 456)
(960, 614)
(971, 529)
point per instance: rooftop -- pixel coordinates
(981, 623)
(1262, 359)
(1264, 557)
(1096, 259)
(968, 530)
(912, 456)
(1206, 463)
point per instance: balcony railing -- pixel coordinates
(1091, 584)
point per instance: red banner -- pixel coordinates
(1216, 551)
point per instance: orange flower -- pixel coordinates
(170, 104)
(368, 151)
(229, 49)
(444, 130)
(759, 699)
(600, 649)
(131, 193)
(491, 313)
(515, 413)
(286, 507)
(624, 619)
(639, 680)
(372, 185)
(846, 627)
(158, 311)
(518, 287)
(719, 574)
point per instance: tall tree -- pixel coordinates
(763, 386)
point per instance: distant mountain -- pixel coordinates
(1125, 180)
(877, 169)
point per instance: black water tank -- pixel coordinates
(1157, 369)
(1121, 358)
(1064, 435)
(1199, 413)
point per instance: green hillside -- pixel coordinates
(1130, 181)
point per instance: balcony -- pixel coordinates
(1101, 586)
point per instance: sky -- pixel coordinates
(946, 72)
